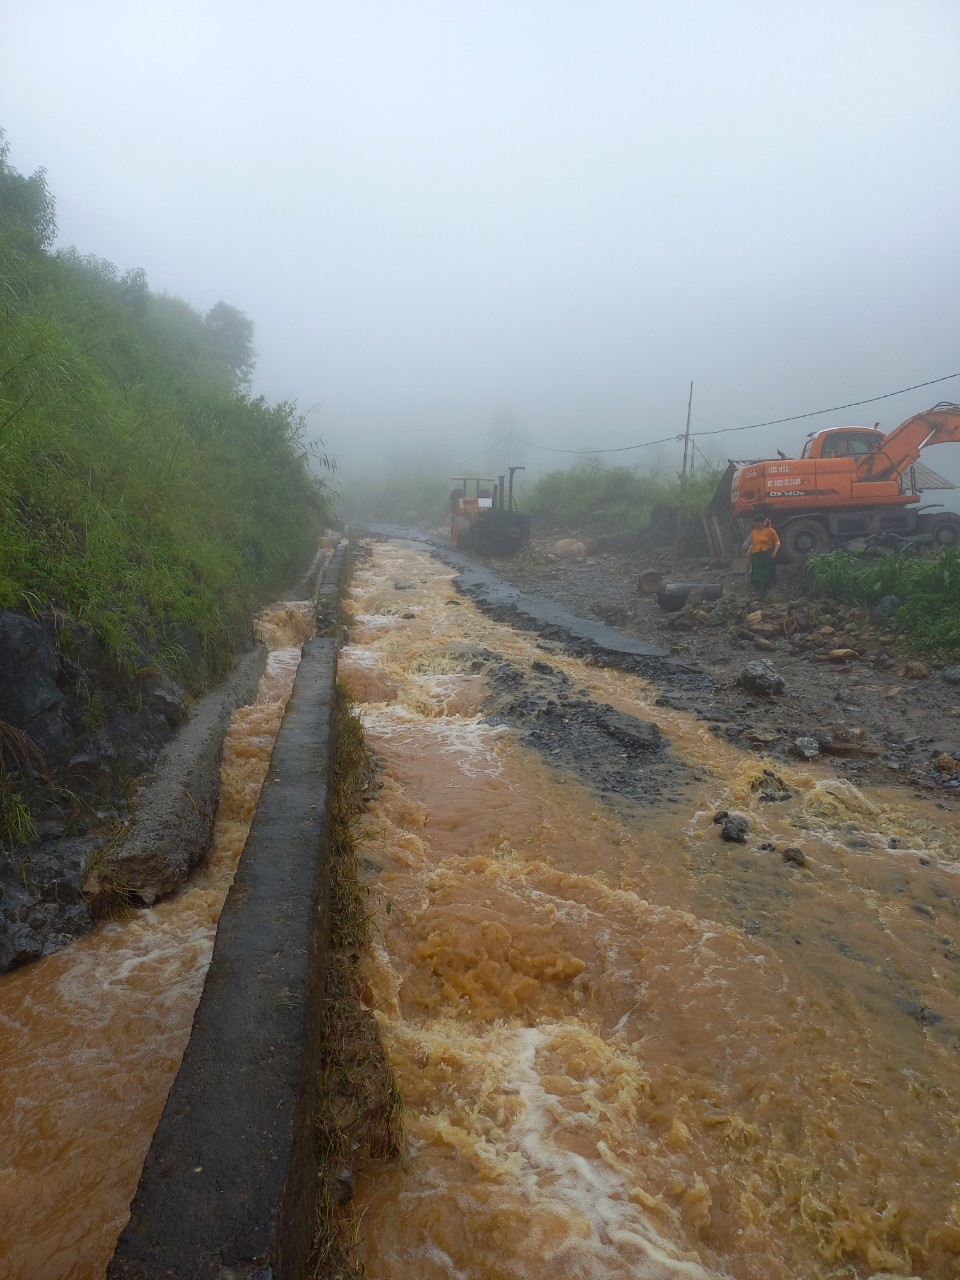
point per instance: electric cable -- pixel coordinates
(752, 426)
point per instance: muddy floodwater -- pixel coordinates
(627, 1048)
(93, 1036)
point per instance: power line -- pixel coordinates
(852, 404)
(752, 426)
(495, 444)
(627, 448)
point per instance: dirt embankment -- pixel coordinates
(874, 714)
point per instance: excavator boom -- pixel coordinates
(901, 448)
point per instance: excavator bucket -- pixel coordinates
(723, 534)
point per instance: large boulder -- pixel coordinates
(761, 678)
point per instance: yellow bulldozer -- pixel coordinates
(484, 516)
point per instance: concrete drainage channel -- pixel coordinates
(229, 1183)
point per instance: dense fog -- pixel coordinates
(452, 224)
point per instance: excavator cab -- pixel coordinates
(842, 442)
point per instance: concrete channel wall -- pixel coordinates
(228, 1188)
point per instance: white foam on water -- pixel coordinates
(383, 621)
(469, 741)
(280, 661)
(565, 1181)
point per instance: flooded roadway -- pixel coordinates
(625, 1047)
(93, 1036)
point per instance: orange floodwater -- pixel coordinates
(626, 1048)
(92, 1037)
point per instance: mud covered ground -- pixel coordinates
(879, 715)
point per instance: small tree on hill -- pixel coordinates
(232, 338)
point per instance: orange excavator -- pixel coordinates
(850, 482)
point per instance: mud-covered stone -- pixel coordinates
(734, 828)
(771, 787)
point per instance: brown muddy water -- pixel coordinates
(626, 1048)
(92, 1037)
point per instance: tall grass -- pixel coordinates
(143, 490)
(928, 619)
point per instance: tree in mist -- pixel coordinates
(26, 206)
(232, 337)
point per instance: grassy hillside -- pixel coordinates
(143, 490)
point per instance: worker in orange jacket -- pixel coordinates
(762, 546)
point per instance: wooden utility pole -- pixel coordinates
(683, 481)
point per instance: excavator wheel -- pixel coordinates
(461, 533)
(944, 530)
(802, 538)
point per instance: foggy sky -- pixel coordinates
(438, 212)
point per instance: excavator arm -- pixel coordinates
(901, 448)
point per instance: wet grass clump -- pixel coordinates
(928, 619)
(360, 1111)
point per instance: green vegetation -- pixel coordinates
(359, 1108)
(614, 500)
(406, 497)
(143, 490)
(929, 618)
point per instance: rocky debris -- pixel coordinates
(794, 857)
(402, 585)
(896, 709)
(805, 748)
(616, 754)
(42, 905)
(761, 678)
(734, 827)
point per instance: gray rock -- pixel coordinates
(806, 748)
(30, 698)
(952, 674)
(42, 906)
(885, 608)
(794, 857)
(761, 678)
